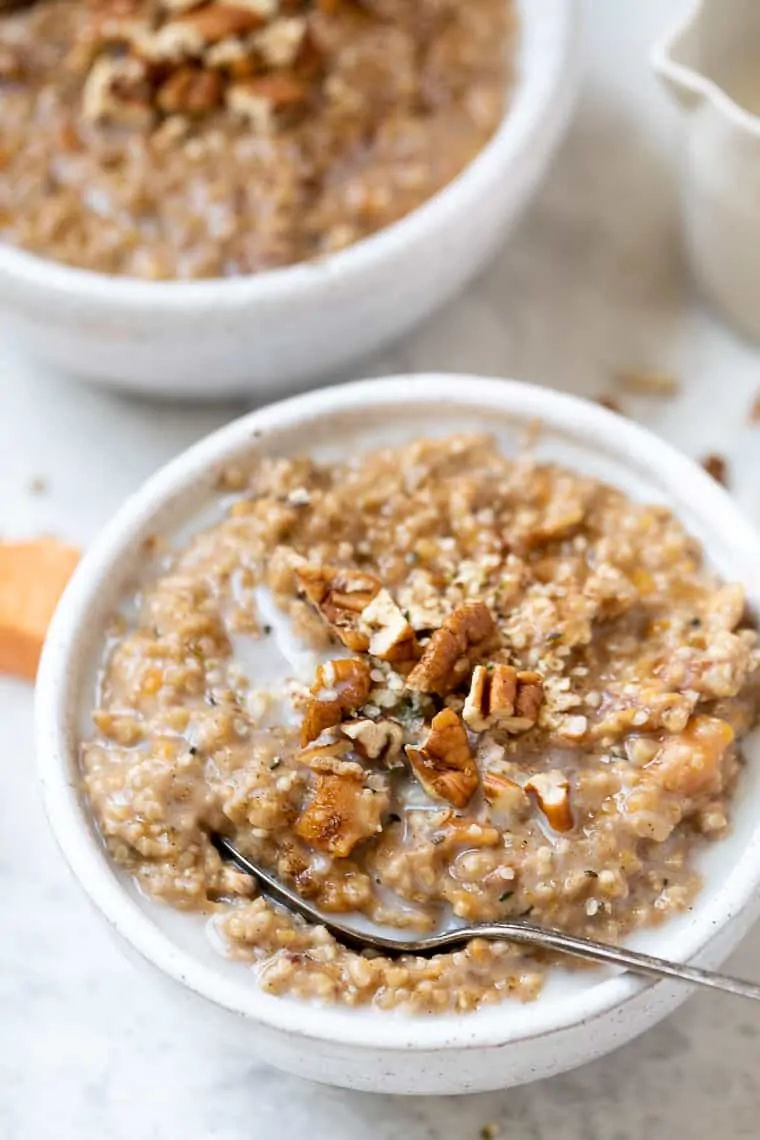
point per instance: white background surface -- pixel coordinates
(591, 282)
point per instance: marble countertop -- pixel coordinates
(590, 283)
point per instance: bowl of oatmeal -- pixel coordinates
(431, 663)
(202, 198)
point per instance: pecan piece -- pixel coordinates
(448, 657)
(530, 695)
(716, 466)
(552, 793)
(339, 595)
(117, 91)
(265, 98)
(280, 42)
(503, 697)
(378, 739)
(504, 794)
(340, 687)
(330, 759)
(193, 31)
(390, 636)
(492, 696)
(342, 813)
(444, 764)
(190, 91)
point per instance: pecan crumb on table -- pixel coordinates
(528, 695)
(717, 466)
(195, 138)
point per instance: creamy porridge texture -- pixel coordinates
(207, 138)
(526, 695)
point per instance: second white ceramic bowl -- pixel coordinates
(580, 1015)
(263, 333)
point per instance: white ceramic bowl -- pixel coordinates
(263, 332)
(580, 1015)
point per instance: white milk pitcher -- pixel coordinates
(711, 64)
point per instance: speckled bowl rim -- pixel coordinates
(550, 67)
(58, 703)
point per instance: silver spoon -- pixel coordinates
(514, 930)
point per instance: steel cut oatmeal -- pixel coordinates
(429, 684)
(209, 138)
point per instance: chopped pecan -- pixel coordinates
(716, 466)
(190, 34)
(342, 813)
(232, 56)
(504, 794)
(339, 595)
(190, 91)
(330, 759)
(280, 42)
(530, 694)
(444, 764)
(390, 636)
(117, 91)
(378, 739)
(552, 793)
(265, 98)
(448, 657)
(503, 697)
(492, 695)
(340, 687)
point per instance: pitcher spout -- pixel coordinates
(683, 84)
(670, 58)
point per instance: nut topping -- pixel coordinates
(264, 97)
(391, 637)
(530, 694)
(190, 91)
(340, 595)
(503, 697)
(190, 34)
(200, 57)
(378, 739)
(447, 659)
(341, 686)
(341, 814)
(280, 42)
(504, 795)
(491, 698)
(444, 764)
(552, 793)
(117, 91)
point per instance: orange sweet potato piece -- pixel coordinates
(32, 577)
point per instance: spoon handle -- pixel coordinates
(618, 956)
